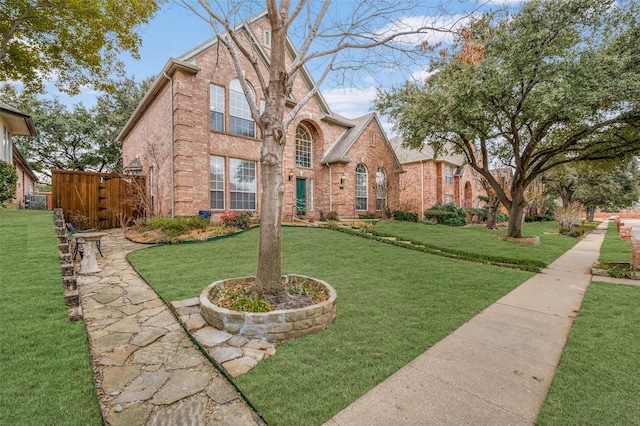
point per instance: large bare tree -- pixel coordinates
(335, 38)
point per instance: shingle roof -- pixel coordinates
(410, 155)
(337, 153)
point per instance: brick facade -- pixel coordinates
(170, 136)
(424, 181)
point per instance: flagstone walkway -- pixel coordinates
(147, 369)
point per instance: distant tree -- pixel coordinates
(8, 182)
(110, 114)
(75, 43)
(554, 83)
(76, 138)
(596, 185)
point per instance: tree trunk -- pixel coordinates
(492, 217)
(268, 282)
(591, 212)
(516, 215)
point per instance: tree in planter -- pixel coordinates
(8, 182)
(555, 83)
(328, 39)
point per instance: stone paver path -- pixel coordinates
(236, 354)
(148, 371)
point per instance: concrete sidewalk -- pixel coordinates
(495, 369)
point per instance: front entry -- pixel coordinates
(301, 196)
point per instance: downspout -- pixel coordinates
(330, 190)
(173, 186)
(422, 188)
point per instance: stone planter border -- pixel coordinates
(274, 326)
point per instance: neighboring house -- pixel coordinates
(16, 123)
(430, 180)
(192, 135)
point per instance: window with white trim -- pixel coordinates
(448, 199)
(448, 175)
(303, 146)
(361, 187)
(381, 189)
(242, 184)
(240, 121)
(216, 178)
(216, 108)
(267, 38)
(6, 147)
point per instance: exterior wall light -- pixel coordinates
(291, 174)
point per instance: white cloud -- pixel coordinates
(353, 102)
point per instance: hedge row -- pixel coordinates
(523, 264)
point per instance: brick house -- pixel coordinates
(16, 123)
(192, 135)
(429, 180)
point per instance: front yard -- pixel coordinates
(393, 304)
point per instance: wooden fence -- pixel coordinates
(103, 200)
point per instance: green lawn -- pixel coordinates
(393, 304)
(598, 379)
(45, 370)
(479, 240)
(613, 248)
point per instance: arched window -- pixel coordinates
(361, 187)
(381, 189)
(303, 146)
(240, 121)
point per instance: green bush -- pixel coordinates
(440, 216)
(538, 218)
(177, 225)
(368, 215)
(8, 182)
(232, 219)
(401, 215)
(456, 221)
(501, 217)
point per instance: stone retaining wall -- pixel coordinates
(274, 326)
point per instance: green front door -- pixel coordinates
(301, 196)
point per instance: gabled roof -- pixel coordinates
(246, 26)
(409, 155)
(18, 122)
(338, 152)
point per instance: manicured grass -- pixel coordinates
(479, 240)
(598, 379)
(613, 248)
(393, 304)
(45, 369)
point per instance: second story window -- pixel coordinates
(303, 146)
(448, 175)
(216, 114)
(240, 121)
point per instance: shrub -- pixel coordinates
(8, 182)
(171, 226)
(401, 215)
(501, 217)
(233, 219)
(456, 221)
(367, 215)
(439, 216)
(538, 218)
(569, 215)
(332, 216)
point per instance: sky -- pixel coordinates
(175, 30)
